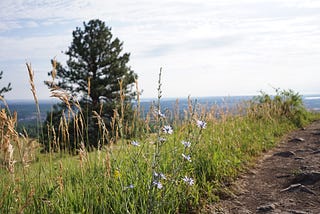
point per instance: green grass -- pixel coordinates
(157, 176)
(102, 181)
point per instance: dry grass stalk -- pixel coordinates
(105, 137)
(102, 127)
(56, 91)
(8, 134)
(28, 201)
(61, 95)
(10, 159)
(83, 156)
(63, 130)
(54, 142)
(138, 98)
(114, 127)
(107, 164)
(147, 122)
(31, 81)
(78, 126)
(27, 149)
(176, 113)
(122, 99)
(54, 69)
(60, 177)
(5, 104)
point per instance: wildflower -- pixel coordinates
(135, 143)
(131, 186)
(160, 114)
(160, 175)
(167, 129)
(117, 173)
(157, 184)
(187, 157)
(189, 181)
(186, 144)
(162, 140)
(201, 124)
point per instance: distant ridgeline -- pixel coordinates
(181, 104)
(27, 113)
(311, 102)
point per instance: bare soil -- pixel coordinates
(285, 179)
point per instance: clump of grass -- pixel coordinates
(8, 135)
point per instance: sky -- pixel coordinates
(204, 47)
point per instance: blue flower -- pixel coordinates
(131, 186)
(161, 139)
(160, 114)
(186, 144)
(201, 124)
(167, 129)
(187, 157)
(189, 181)
(135, 143)
(159, 175)
(157, 184)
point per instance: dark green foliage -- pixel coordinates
(4, 89)
(94, 54)
(95, 68)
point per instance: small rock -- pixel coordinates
(296, 140)
(266, 208)
(285, 154)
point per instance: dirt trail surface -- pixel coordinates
(285, 180)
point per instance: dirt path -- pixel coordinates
(286, 179)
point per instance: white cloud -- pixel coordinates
(34, 47)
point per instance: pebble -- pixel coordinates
(285, 154)
(298, 139)
(266, 208)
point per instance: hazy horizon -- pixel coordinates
(55, 100)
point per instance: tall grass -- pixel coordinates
(171, 164)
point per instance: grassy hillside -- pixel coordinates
(172, 165)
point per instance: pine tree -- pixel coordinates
(4, 89)
(95, 59)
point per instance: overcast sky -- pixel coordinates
(206, 48)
